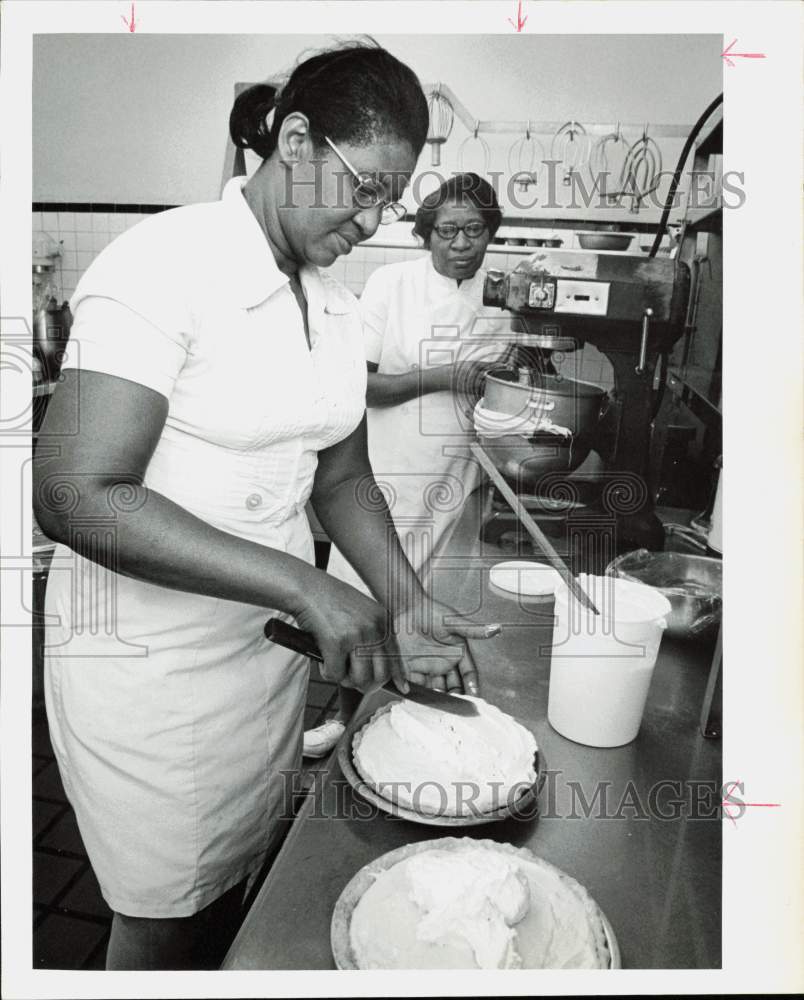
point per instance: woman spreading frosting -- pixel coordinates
(428, 338)
(216, 381)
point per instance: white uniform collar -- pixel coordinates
(253, 272)
(450, 285)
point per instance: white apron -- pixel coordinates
(414, 317)
(177, 727)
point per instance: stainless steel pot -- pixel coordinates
(566, 402)
(575, 405)
(692, 584)
(51, 331)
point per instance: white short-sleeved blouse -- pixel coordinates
(177, 727)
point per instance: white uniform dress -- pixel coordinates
(414, 317)
(176, 725)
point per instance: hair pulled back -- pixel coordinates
(357, 93)
(459, 188)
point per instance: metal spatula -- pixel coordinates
(303, 642)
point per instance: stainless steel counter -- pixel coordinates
(602, 811)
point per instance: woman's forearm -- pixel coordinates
(354, 515)
(391, 390)
(158, 541)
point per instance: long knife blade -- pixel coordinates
(303, 642)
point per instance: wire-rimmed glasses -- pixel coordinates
(368, 192)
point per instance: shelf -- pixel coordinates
(709, 219)
(692, 397)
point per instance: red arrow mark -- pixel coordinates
(132, 24)
(520, 20)
(726, 53)
(728, 803)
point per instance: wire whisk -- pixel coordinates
(524, 158)
(477, 139)
(572, 143)
(642, 170)
(442, 117)
(602, 168)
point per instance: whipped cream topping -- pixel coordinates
(476, 904)
(472, 896)
(440, 763)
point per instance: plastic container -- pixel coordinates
(601, 665)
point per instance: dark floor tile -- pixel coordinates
(97, 959)
(85, 897)
(65, 942)
(64, 835)
(39, 763)
(43, 814)
(312, 716)
(320, 695)
(51, 874)
(47, 784)
(40, 739)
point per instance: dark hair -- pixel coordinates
(357, 93)
(460, 187)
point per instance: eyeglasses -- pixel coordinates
(368, 192)
(472, 230)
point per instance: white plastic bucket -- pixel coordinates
(601, 665)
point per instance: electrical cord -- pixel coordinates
(671, 193)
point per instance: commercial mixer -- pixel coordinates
(631, 308)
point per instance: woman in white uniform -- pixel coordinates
(215, 382)
(428, 338)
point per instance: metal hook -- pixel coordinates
(617, 135)
(645, 132)
(477, 126)
(527, 129)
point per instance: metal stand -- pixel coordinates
(712, 708)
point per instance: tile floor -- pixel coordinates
(70, 919)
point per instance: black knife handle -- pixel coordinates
(292, 638)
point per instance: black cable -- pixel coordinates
(677, 175)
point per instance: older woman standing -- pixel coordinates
(428, 338)
(219, 382)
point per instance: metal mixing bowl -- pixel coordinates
(692, 584)
(604, 241)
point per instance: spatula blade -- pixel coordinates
(439, 700)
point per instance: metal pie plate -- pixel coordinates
(367, 875)
(523, 807)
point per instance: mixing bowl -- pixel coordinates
(692, 584)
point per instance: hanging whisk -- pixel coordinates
(570, 146)
(642, 170)
(611, 145)
(480, 143)
(524, 158)
(442, 117)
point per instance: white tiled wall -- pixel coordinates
(82, 235)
